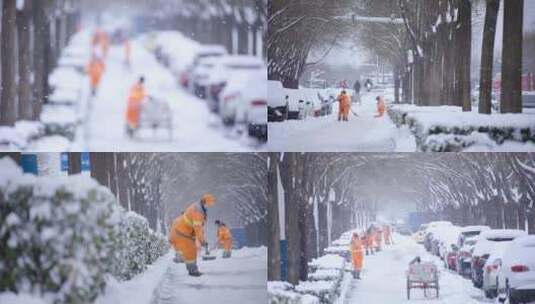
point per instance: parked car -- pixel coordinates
(516, 275)
(419, 235)
(490, 270)
(200, 75)
(484, 247)
(447, 240)
(204, 52)
(470, 231)
(464, 256)
(277, 102)
(244, 101)
(450, 259)
(224, 68)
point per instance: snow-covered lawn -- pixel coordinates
(325, 134)
(384, 280)
(240, 279)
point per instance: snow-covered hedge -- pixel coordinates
(447, 129)
(140, 246)
(284, 293)
(18, 137)
(60, 237)
(57, 235)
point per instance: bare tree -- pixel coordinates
(8, 102)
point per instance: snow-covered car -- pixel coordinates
(484, 247)
(203, 52)
(300, 100)
(224, 68)
(491, 268)
(419, 235)
(430, 243)
(277, 101)
(470, 231)
(447, 240)
(244, 101)
(200, 75)
(464, 256)
(516, 275)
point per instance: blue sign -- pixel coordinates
(86, 164)
(28, 163)
(284, 260)
(239, 238)
(64, 161)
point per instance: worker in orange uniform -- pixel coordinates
(187, 229)
(224, 238)
(356, 255)
(380, 106)
(370, 237)
(135, 99)
(344, 106)
(95, 69)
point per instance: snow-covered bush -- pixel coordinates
(326, 291)
(284, 293)
(57, 235)
(447, 129)
(137, 246)
(60, 237)
(60, 120)
(21, 134)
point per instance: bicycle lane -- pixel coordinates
(384, 279)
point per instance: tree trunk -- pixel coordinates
(99, 167)
(511, 94)
(40, 26)
(75, 163)
(112, 174)
(25, 87)
(464, 51)
(8, 88)
(122, 180)
(487, 56)
(274, 273)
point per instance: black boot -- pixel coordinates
(358, 275)
(193, 270)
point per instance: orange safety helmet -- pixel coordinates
(208, 199)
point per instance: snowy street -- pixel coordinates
(241, 278)
(325, 134)
(383, 278)
(194, 127)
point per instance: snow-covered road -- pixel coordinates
(240, 279)
(325, 134)
(195, 128)
(383, 279)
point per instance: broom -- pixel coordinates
(207, 256)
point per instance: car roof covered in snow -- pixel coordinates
(241, 60)
(252, 84)
(521, 250)
(497, 234)
(206, 49)
(474, 228)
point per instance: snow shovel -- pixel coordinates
(354, 113)
(207, 256)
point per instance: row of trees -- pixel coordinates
(325, 194)
(32, 36)
(239, 25)
(430, 53)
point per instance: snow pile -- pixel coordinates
(284, 293)
(60, 236)
(447, 128)
(18, 137)
(328, 261)
(9, 297)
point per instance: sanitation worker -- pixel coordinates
(356, 255)
(187, 229)
(95, 69)
(344, 106)
(135, 98)
(370, 240)
(224, 238)
(380, 106)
